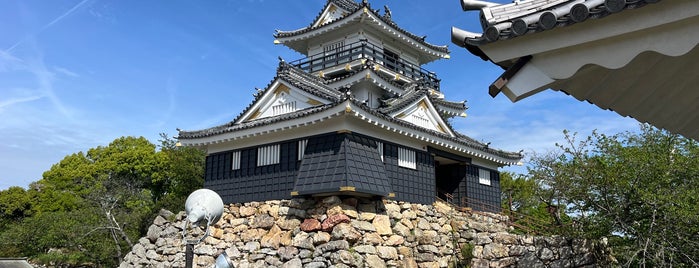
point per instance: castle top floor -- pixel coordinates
(347, 33)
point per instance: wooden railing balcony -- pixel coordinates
(365, 50)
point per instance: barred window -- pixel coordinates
(235, 160)
(268, 155)
(406, 158)
(302, 148)
(484, 176)
(379, 145)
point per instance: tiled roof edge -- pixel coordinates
(384, 19)
(229, 127)
(460, 138)
(561, 15)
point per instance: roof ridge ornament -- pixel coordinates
(387, 14)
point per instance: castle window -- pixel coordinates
(334, 47)
(302, 148)
(379, 145)
(391, 59)
(268, 155)
(406, 158)
(235, 160)
(484, 176)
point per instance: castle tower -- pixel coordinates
(358, 115)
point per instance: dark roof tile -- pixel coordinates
(509, 21)
(358, 8)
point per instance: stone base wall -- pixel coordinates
(352, 232)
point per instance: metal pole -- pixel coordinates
(189, 253)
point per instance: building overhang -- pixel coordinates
(344, 116)
(638, 63)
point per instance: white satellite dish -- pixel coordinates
(203, 206)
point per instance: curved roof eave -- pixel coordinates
(460, 143)
(368, 74)
(434, 51)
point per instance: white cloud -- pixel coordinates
(65, 71)
(9, 62)
(6, 103)
(48, 25)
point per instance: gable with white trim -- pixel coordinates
(280, 99)
(423, 114)
(331, 13)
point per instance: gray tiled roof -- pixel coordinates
(394, 104)
(358, 8)
(368, 65)
(415, 92)
(308, 82)
(449, 104)
(298, 78)
(460, 138)
(347, 5)
(232, 126)
(318, 86)
(507, 21)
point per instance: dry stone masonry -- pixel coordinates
(352, 232)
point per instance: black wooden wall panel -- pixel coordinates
(482, 197)
(411, 185)
(253, 183)
(250, 182)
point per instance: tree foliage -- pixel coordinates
(638, 189)
(90, 207)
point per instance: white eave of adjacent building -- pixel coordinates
(640, 63)
(305, 125)
(299, 42)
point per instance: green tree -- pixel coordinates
(15, 203)
(517, 192)
(183, 173)
(639, 189)
(90, 207)
(522, 201)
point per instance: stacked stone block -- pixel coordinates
(354, 232)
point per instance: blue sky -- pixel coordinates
(79, 74)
